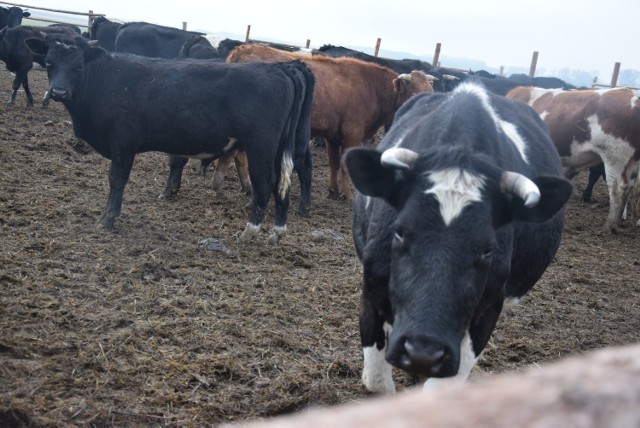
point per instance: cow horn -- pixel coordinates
(520, 186)
(398, 157)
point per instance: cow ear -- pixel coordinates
(38, 46)
(369, 176)
(93, 53)
(26, 14)
(554, 193)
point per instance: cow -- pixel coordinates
(19, 59)
(104, 32)
(198, 47)
(12, 16)
(352, 99)
(157, 41)
(443, 79)
(502, 85)
(593, 126)
(459, 208)
(122, 105)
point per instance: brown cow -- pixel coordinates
(593, 126)
(351, 101)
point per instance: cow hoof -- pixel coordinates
(167, 195)
(304, 212)
(107, 223)
(249, 232)
(277, 233)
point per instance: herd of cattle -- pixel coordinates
(458, 208)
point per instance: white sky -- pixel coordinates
(588, 35)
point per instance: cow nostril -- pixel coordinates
(426, 360)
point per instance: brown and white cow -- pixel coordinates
(351, 101)
(593, 126)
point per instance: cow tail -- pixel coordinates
(296, 72)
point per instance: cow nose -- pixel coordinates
(58, 94)
(422, 355)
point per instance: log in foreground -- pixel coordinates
(598, 389)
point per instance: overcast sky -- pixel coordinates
(588, 35)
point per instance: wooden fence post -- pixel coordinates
(616, 72)
(90, 23)
(246, 39)
(308, 43)
(184, 25)
(436, 55)
(534, 63)
(375, 52)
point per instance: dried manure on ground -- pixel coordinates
(169, 321)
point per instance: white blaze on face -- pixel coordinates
(454, 189)
(507, 128)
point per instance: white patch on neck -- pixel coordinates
(507, 128)
(455, 189)
(468, 360)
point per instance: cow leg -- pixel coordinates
(351, 140)
(263, 179)
(218, 171)
(204, 165)
(305, 170)
(176, 166)
(46, 99)
(595, 172)
(27, 91)
(333, 155)
(118, 176)
(618, 195)
(242, 168)
(376, 371)
(17, 81)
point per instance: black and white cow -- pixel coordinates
(127, 104)
(459, 208)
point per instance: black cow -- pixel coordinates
(127, 104)
(198, 47)
(459, 208)
(502, 85)
(157, 41)
(19, 59)
(445, 79)
(12, 16)
(104, 32)
(226, 46)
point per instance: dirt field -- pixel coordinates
(145, 326)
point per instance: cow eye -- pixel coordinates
(398, 234)
(484, 258)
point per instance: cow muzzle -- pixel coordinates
(422, 355)
(59, 94)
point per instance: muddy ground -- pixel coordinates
(145, 326)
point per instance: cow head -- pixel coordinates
(450, 215)
(407, 85)
(65, 60)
